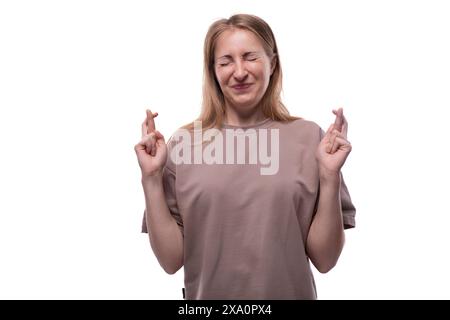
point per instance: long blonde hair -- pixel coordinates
(213, 104)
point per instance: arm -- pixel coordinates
(164, 233)
(326, 235)
(165, 236)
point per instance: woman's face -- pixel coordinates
(242, 68)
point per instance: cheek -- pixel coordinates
(263, 71)
(221, 77)
(260, 71)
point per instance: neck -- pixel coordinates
(239, 118)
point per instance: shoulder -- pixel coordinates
(302, 127)
(180, 134)
(305, 124)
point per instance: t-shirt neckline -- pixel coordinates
(255, 125)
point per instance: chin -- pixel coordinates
(245, 104)
(244, 101)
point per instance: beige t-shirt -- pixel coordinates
(245, 232)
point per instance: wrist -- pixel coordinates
(152, 180)
(329, 177)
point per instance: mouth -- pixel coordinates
(241, 87)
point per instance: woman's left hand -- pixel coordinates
(334, 148)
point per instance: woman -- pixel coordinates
(241, 233)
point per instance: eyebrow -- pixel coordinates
(245, 54)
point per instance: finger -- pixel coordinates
(153, 144)
(150, 142)
(335, 135)
(331, 141)
(327, 138)
(344, 121)
(159, 136)
(336, 144)
(344, 130)
(153, 151)
(150, 121)
(143, 145)
(328, 132)
(338, 122)
(341, 144)
(336, 111)
(338, 134)
(152, 137)
(140, 146)
(144, 128)
(148, 147)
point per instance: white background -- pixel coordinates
(76, 77)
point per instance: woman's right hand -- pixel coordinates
(151, 150)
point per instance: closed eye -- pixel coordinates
(224, 64)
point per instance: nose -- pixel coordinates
(240, 72)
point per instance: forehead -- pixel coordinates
(237, 40)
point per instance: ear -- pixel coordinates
(273, 63)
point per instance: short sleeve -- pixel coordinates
(348, 209)
(169, 185)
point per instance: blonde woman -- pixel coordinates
(246, 212)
